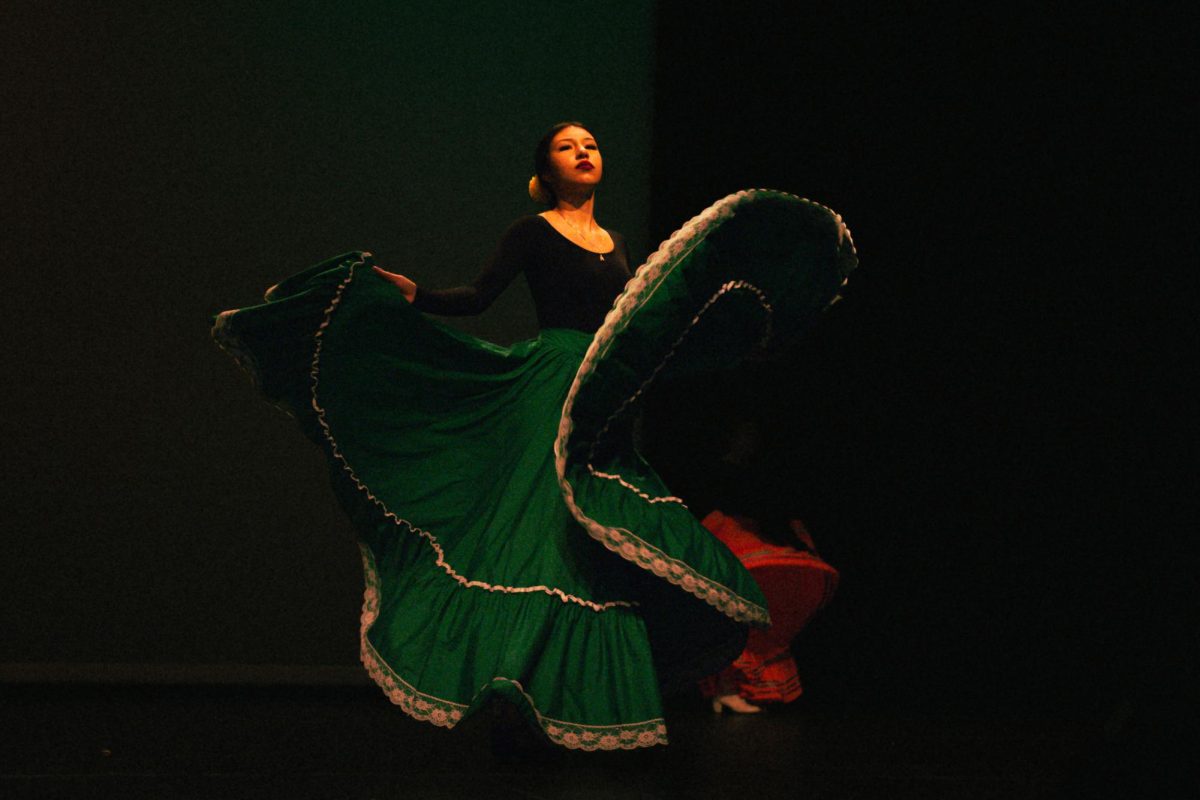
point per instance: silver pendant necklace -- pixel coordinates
(578, 232)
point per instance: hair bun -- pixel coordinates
(538, 193)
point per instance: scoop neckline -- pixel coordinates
(562, 236)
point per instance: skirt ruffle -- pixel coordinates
(514, 542)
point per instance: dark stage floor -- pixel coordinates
(229, 743)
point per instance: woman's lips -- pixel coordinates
(585, 165)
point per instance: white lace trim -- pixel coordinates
(418, 705)
(726, 288)
(634, 489)
(429, 537)
(637, 291)
(447, 713)
(604, 737)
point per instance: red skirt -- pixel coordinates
(796, 584)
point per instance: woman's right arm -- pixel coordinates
(508, 259)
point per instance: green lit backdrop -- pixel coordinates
(166, 162)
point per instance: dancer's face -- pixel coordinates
(575, 159)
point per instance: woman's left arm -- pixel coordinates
(507, 261)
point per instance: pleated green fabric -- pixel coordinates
(514, 543)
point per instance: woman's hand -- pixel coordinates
(406, 287)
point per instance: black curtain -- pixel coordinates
(983, 436)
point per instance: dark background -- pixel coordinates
(980, 437)
(984, 436)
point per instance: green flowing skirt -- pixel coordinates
(514, 543)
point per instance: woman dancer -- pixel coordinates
(514, 543)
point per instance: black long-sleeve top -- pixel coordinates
(571, 287)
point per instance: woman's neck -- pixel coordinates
(578, 211)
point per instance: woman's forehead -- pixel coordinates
(573, 134)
